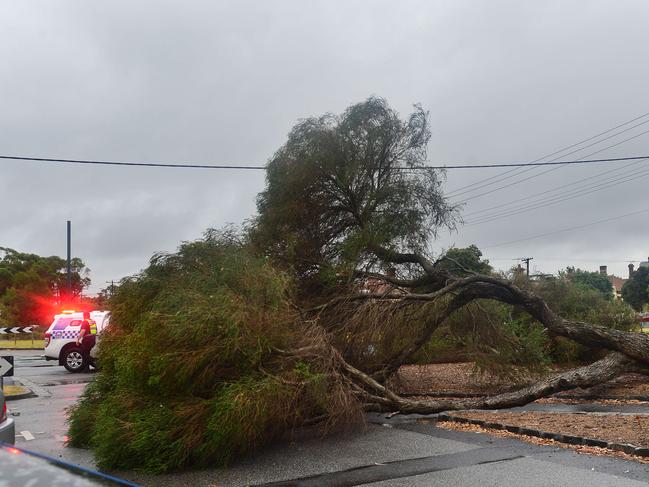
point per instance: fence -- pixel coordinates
(21, 337)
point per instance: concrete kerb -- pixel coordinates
(13, 393)
(14, 390)
(585, 397)
(19, 349)
(568, 439)
(36, 389)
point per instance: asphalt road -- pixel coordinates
(40, 420)
(400, 451)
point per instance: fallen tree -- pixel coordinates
(238, 340)
(630, 350)
(209, 358)
(349, 201)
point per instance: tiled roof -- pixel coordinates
(617, 282)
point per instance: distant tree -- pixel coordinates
(593, 280)
(462, 262)
(31, 286)
(636, 290)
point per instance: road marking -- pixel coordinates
(27, 435)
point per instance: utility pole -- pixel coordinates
(527, 263)
(112, 286)
(69, 296)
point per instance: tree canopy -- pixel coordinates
(593, 280)
(636, 290)
(346, 186)
(31, 286)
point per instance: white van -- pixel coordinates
(61, 336)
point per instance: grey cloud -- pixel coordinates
(224, 82)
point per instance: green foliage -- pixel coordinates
(636, 290)
(30, 285)
(193, 372)
(592, 280)
(507, 342)
(519, 349)
(499, 341)
(575, 301)
(461, 262)
(581, 303)
(338, 186)
(443, 346)
(526, 345)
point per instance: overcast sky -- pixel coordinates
(223, 82)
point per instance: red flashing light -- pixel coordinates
(13, 450)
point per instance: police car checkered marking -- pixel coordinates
(65, 334)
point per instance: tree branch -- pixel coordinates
(634, 345)
(603, 370)
(402, 258)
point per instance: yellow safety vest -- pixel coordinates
(93, 327)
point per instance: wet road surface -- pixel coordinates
(391, 452)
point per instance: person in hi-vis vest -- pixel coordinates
(87, 336)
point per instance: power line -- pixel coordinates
(634, 176)
(452, 193)
(559, 157)
(551, 169)
(552, 259)
(555, 159)
(606, 220)
(527, 197)
(220, 166)
(123, 163)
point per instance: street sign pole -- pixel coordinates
(69, 266)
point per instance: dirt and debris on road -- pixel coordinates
(613, 428)
(589, 450)
(445, 378)
(457, 379)
(461, 379)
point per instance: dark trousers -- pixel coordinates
(87, 342)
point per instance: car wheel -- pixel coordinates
(73, 360)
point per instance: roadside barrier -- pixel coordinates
(21, 337)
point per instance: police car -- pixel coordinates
(61, 336)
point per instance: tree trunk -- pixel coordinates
(630, 351)
(634, 345)
(382, 399)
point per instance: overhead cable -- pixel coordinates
(578, 227)
(481, 182)
(221, 166)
